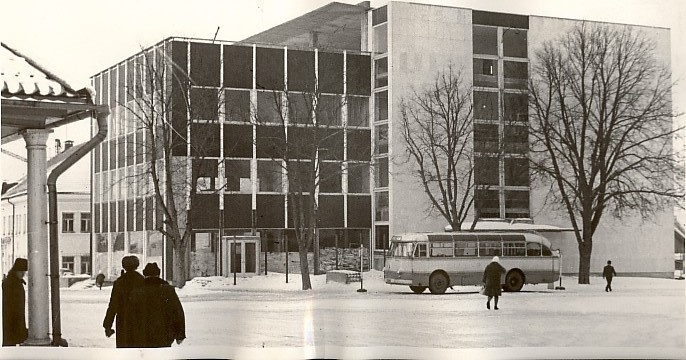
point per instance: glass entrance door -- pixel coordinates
(241, 255)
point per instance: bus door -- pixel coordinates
(419, 257)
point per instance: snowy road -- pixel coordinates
(639, 313)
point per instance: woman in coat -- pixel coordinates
(156, 312)
(14, 329)
(491, 280)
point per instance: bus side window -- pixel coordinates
(546, 251)
(420, 250)
(533, 249)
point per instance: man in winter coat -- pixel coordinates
(119, 301)
(14, 329)
(491, 280)
(608, 273)
(156, 311)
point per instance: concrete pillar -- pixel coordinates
(37, 217)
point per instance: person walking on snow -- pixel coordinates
(14, 329)
(119, 301)
(491, 280)
(608, 274)
(156, 311)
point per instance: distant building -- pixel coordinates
(74, 217)
(386, 52)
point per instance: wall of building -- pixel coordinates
(636, 246)
(423, 41)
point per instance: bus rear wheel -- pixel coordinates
(417, 289)
(438, 283)
(514, 281)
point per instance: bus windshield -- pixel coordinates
(401, 249)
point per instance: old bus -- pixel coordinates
(441, 260)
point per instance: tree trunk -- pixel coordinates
(304, 269)
(585, 249)
(180, 262)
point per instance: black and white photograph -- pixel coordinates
(300, 179)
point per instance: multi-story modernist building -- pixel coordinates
(241, 187)
(74, 217)
(408, 45)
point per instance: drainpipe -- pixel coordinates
(13, 228)
(101, 115)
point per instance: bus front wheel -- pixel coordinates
(418, 289)
(438, 283)
(514, 281)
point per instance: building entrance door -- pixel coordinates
(240, 254)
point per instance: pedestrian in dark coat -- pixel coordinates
(119, 302)
(608, 274)
(491, 280)
(156, 311)
(14, 329)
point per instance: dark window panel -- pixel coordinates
(359, 211)
(130, 213)
(270, 142)
(487, 203)
(330, 177)
(358, 177)
(129, 80)
(381, 106)
(299, 108)
(330, 73)
(238, 68)
(121, 210)
(359, 144)
(118, 242)
(98, 88)
(140, 214)
(516, 172)
(486, 138)
(295, 202)
(358, 111)
(129, 150)
(381, 200)
(270, 211)
(179, 99)
(238, 175)
(485, 40)
(517, 203)
(381, 72)
(204, 104)
(96, 218)
(105, 208)
(113, 154)
(205, 62)
(331, 211)
(516, 139)
(301, 70)
(269, 107)
(238, 211)
(269, 176)
(516, 108)
(237, 105)
(359, 73)
(329, 110)
(205, 139)
(330, 143)
(302, 142)
(206, 168)
(379, 15)
(205, 211)
(121, 85)
(149, 213)
(238, 140)
(485, 105)
(140, 146)
(485, 73)
(269, 63)
(113, 88)
(381, 172)
(486, 171)
(500, 19)
(382, 237)
(113, 214)
(105, 99)
(515, 43)
(121, 148)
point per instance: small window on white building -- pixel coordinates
(67, 222)
(86, 222)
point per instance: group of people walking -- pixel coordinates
(147, 310)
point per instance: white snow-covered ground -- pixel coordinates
(264, 316)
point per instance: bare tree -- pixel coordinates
(601, 128)
(162, 107)
(437, 128)
(305, 134)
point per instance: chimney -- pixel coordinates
(68, 144)
(58, 146)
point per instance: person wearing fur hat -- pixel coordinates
(157, 312)
(119, 301)
(491, 280)
(14, 331)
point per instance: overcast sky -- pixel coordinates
(76, 39)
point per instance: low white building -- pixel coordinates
(74, 217)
